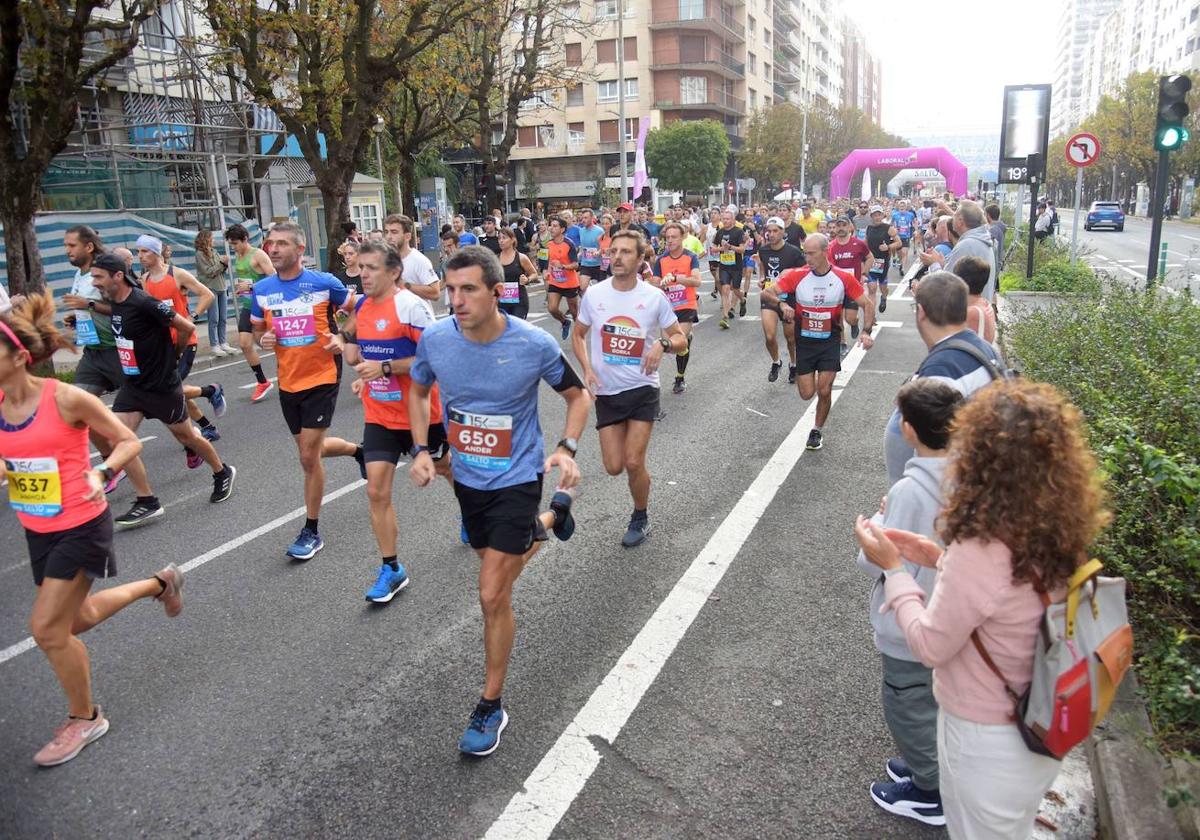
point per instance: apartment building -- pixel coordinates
(1078, 23)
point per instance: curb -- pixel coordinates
(1131, 778)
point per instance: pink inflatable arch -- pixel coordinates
(935, 157)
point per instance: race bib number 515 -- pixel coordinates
(482, 440)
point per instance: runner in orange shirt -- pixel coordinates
(562, 277)
(679, 278)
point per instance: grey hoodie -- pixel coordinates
(977, 242)
(913, 504)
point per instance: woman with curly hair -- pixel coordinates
(1017, 455)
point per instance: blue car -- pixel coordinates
(1105, 214)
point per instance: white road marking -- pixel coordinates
(754, 411)
(564, 770)
(28, 643)
(262, 354)
(255, 384)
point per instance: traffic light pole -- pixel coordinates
(1029, 245)
(1156, 215)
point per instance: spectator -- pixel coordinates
(980, 317)
(1044, 224)
(211, 270)
(1053, 216)
(997, 229)
(1017, 451)
(974, 241)
(941, 302)
(926, 409)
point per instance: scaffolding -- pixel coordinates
(169, 134)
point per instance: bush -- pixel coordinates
(1129, 360)
(1054, 276)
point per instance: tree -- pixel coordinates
(531, 191)
(49, 50)
(326, 68)
(687, 155)
(771, 152)
(604, 195)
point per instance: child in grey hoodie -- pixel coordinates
(926, 407)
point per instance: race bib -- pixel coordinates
(482, 440)
(511, 293)
(558, 273)
(605, 262)
(34, 486)
(728, 258)
(815, 324)
(622, 341)
(385, 389)
(543, 254)
(676, 295)
(85, 329)
(129, 363)
(591, 256)
(294, 324)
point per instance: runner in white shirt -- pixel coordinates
(417, 275)
(634, 325)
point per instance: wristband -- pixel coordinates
(887, 573)
(386, 367)
(106, 473)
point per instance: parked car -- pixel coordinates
(1105, 214)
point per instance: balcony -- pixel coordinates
(785, 71)
(786, 45)
(700, 15)
(786, 16)
(687, 57)
(716, 100)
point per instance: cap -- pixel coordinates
(875, 208)
(732, 208)
(844, 217)
(778, 222)
(625, 206)
(149, 243)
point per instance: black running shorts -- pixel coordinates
(380, 443)
(504, 520)
(60, 555)
(825, 356)
(165, 406)
(634, 404)
(309, 409)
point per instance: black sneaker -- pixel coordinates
(791, 374)
(814, 440)
(854, 330)
(679, 387)
(662, 415)
(883, 303)
(845, 350)
(564, 522)
(730, 315)
(223, 484)
(713, 294)
(139, 514)
(742, 309)
(638, 531)
(774, 374)
(360, 459)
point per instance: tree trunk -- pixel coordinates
(336, 199)
(408, 178)
(22, 258)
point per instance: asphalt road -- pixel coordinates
(281, 704)
(1126, 253)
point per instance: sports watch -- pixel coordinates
(417, 449)
(569, 444)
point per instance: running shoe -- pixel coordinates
(815, 440)
(564, 522)
(637, 532)
(172, 594)
(70, 738)
(742, 309)
(223, 484)
(723, 324)
(210, 433)
(774, 374)
(261, 390)
(899, 770)
(218, 352)
(661, 416)
(112, 483)
(791, 374)
(730, 314)
(854, 330)
(462, 532)
(845, 349)
(389, 582)
(306, 546)
(907, 800)
(360, 459)
(218, 400)
(679, 387)
(566, 328)
(483, 732)
(882, 304)
(139, 514)
(229, 351)
(193, 460)
(713, 294)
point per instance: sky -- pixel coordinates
(946, 71)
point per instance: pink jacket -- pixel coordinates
(974, 590)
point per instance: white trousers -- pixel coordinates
(991, 782)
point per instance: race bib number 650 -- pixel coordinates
(482, 440)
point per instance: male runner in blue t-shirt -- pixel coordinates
(488, 367)
(904, 220)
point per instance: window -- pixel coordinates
(693, 90)
(631, 88)
(606, 50)
(574, 55)
(497, 135)
(752, 62)
(767, 72)
(767, 37)
(753, 99)
(750, 24)
(607, 91)
(608, 130)
(527, 136)
(570, 11)
(574, 96)
(691, 10)
(575, 134)
(538, 100)
(607, 9)
(535, 136)
(365, 216)
(158, 31)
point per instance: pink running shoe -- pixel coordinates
(261, 390)
(193, 460)
(172, 594)
(112, 483)
(70, 738)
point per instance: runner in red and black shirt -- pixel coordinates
(815, 308)
(848, 252)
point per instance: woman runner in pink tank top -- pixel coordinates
(59, 499)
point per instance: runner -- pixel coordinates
(293, 314)
(419, 276)
(250, 265)
(143, 328)
(465, 237)
(862, 218)
(635, 325)
(729, 241)
(809, 220)
(818, 290)
(774, 258)
(625, 222)
(488, 367)
(59, 499)
(489, 239)
(543, 242)
(852, 254)
(709, 234)
(591, 250)
(905, 221)
(795, 233)
(518, 271)
(562, 279)
(679, 271)
(753, 236)
(171, 284)
(883, 240)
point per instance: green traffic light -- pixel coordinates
(1172, 138)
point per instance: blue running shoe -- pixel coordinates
(483, 732)
(566, 328)
(899, 770)
(218, 400)
(904, 799)
(564, 522)
(389, 582)
(462, 532)
(306, 545)
(210, 433)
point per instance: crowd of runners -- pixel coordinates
(457, 397)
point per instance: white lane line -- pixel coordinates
(755, 411)
(564, 770)
(242, 361)
(27, 644)
(255, 384)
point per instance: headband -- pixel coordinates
(13, 337)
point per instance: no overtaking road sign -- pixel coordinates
(1083, 149)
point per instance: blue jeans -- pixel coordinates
(217, 315)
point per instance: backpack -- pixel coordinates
(1081, 655)
(991, 365)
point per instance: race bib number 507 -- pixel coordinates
(483, 441)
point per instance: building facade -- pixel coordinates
(1078, 22)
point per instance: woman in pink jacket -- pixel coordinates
(1024, 503)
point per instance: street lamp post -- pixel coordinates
(621, 96)
(378, 129)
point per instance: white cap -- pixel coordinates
(778, 222)
(732, 208)
(875, 208)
